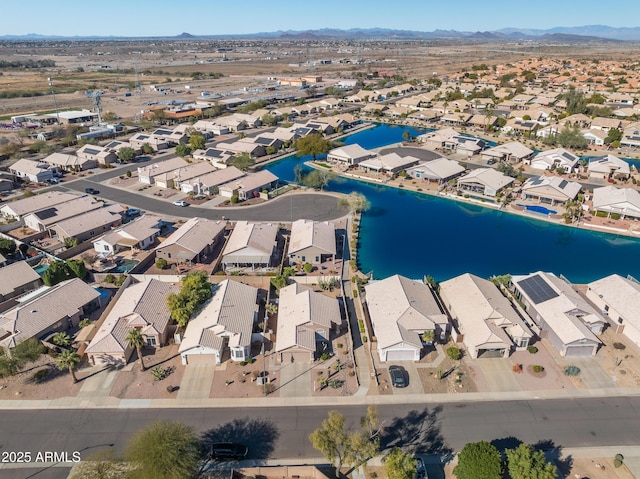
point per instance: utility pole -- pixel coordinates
(54, 99)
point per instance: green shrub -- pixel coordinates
(355, 293)
(84, 323)
(324, 356)
(571, 370)
(454, 353)
(128, 173)
(361, 325)
(110, 279)
(243, 363)
(308, 268)
(532, 349)
(234, 199)
(159, 373)
(251, 360)
(120, 281)
(537, 368)
(615, 216)
(161, 263)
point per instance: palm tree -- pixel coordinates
(271, 308)
(68, 359)
(136, 340)
(61, 339)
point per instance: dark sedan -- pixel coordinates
(399, 376)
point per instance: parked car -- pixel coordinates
(421, 470)
(132, 212)
(399, 376)
(490, 161)
(180, 203)
(53, 181)
(91, 191)
(222, 451)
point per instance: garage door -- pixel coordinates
(579, 351)
(201, 359)
(491, 353)
(400, 355)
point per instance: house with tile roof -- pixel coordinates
(306, 321)
(484, 320)
(140, 306)
(30, 170)
(350, 155)
(46, 311)
(401, 310)
(619, 300)
(17, 279)
(550, 189)
(193, 242)
(608, 166)
(140, 233)
(620, 201)
(560, 313)
(484, 182)
(223, 326)
(20, 208)
(251, 245)
(440, 170)
(554, 159)
(312, 242)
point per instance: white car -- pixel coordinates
(180, 203)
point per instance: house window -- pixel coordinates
(151, 341)
(522, 342)
(237, 354)
(303, 258)
(317, 259)
(169, 255)
(106, 247)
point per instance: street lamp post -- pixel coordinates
(55, 103)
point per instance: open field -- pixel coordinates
(123, 66)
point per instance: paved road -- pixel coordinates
(283, 432)
(313, 206)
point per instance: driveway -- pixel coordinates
(498, 374)
(296, 380)
(196, 381)
(415, 385)
(591, 374)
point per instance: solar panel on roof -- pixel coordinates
(143, 137)
(162, 132)
(263, 141)
(537, 181)
(537, 289)
(91, 151)
(47, 213)
(113, 144)
(568, 156)
(562, 184)
(213, 152)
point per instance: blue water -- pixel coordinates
(41, 269)
(103, 293)
(124, 266)
(416, 235)
(539, 209)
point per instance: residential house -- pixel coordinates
(619, 300)
(116, 145)
(171, 137)
(175, 178)
(305, 321)
(44, 218)
(439, 170)
(138, 234)
(512, 152)
(618, 201)
(435, 140)
(312, 242)
(390, 164)
(210, 128)
(46, 311)
(141, 306)
(484, 320)
(249, 186)
(484, 182)
(254, 150)
(251, 245)
(34, 171)
(139, 140)
(193, 242)
(401, 310)
(554, 159)
(147, 174)
(222, 327)
(595, 137)
(606, 124)
(350, 155)
(631, 136)
(88, 225)
(218, 158)
(561, 314)
(465, 145)
(608, 166)
(550, 189)
(20, 208)
(208, 184)
(65, 162)
(17, 279)
(99, 154)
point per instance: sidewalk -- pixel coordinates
(356, 400)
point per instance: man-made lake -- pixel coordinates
(416, 235)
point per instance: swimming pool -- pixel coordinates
(539, 209)
(124, 266)
(41, 269)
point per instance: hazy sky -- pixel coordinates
(210, 17)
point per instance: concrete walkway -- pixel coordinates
(98, 386)
(196, 381)
(296, 380)
(592, 374)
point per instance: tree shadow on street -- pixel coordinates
(505, 443)
(417, 432)
(259, 435)
(553, 453)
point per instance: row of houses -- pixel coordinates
(476, 313)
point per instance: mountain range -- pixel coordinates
(583, 34)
